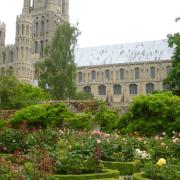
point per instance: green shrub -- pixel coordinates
(106, 118)
(152, 114)
(125, 168)
(3, 123)
(139, 176)
(106, 174)
(10, 140)
(42, 115)
(80, 121)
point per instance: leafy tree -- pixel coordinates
(173, 78)
(58, 71)
(152, 114)
(14, 94)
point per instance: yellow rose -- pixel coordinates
(161, 162)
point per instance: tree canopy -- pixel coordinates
(14, 95)
(173, 78)
(58, 70)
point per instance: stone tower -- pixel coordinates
(35, 28)
(2, 34)
(23, 42)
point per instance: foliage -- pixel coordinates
(14, 95)
(152, 114)
(106, 118)
(125, 168)
(10, 140)
(173, 77)
(42, 115)
(166, 172)
(57, 72)
(80, 121)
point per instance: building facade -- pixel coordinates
(118, 73)
(113, 73)
(35, 28)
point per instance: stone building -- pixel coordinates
(113, 73)
(118, 73)
(35, 28)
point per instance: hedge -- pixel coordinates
(107, 173)
(139, 176)
(125, 168)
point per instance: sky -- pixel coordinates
(107, 22)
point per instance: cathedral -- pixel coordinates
(35, 27)
(113, 73)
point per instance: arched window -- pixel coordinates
(87, 89)
(149, 88)
(93, 75)
(22, 52)
(27, 30)
(137, 73)
(80, 76)
(42, 27)
(2, 71)
(165, 86)
(10, 70)
(36, 47)
(4, 57)
(22, 29)
(102, 90)
(121, 74)
(11, 56)
(36, 28)
(117, 89)
(107, 74)
(42, 49)
(133, 89)
(152, 72)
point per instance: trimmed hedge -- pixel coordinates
(139, 176)
(125, 168)
(108, 173)
(107, 179)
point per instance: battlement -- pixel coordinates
(23, 17)
(10, 46)
(2, 25)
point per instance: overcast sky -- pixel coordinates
(105, 22)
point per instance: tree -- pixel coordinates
(58, 70)
(173, 78)
(14, 95)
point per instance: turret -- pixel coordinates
(2, 33)
(26, 7)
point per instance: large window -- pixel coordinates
(133, 89)
(102, 90)
(37, 28)
(149, 88)
(42, 49)
(42, 27)
(152, 72)
(93, 75)
(121, 74)
(107, 74)
(117, 89)
(137, 73)
(4, 57)
(36, 47)
(80, 76)
(87, 89)
(11, 56)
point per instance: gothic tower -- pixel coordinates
(23, 44)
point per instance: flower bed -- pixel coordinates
(108, 173)
(125, 168)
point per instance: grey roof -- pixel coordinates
(124, 53)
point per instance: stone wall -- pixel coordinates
(6, 114)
